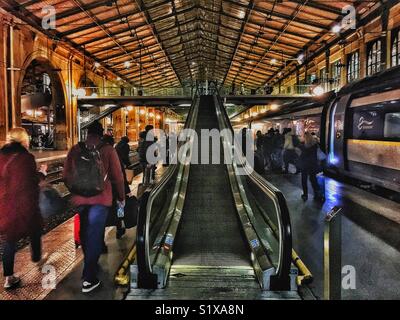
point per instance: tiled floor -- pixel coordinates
(36, 282)
(370, 235)
(66, 261)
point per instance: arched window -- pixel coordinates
(396, 48)
(353, 67)
(374, 50)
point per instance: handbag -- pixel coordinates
(50, 202)
(131, 212)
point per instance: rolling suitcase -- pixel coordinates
(77, 230)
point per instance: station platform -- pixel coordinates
(370, 229)
(60, 252)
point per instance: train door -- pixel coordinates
(336, 139)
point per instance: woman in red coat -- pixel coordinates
(19, 201)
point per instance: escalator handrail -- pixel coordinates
(285, 229)
(146, 278)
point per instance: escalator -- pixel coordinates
(209, 233)
(205, 227)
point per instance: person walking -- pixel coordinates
(309, 166)
(289, 151)
(268, 148)
(149, 170)
(123, 150)
(90, 170)
(19, 202)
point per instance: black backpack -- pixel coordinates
(89, 176)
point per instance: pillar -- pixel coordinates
(385, 39)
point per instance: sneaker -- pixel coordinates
(90, 286)
(12, 282)
(42, 261)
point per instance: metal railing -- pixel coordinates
(263, 199)
(153, 241)
(99, 92)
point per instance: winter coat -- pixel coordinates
(112, 166)
(123, 150)
(19, 193)
(308, 161)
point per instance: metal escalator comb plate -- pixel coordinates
(178, 275)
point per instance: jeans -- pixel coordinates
(93, 224)
(313, 179)
(10, 249)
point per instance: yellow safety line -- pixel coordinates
(122, 276)
(374, 142)
(305, 275)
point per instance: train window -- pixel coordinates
(353, 67)
(367, 124)
(374, 50)
(396, 48)
(392, 125)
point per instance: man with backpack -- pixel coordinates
(91, 168)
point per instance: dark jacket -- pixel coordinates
(19, 193)
(112, 166)
(308, 161)
(144, 145)
(123, 150)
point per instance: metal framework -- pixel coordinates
(172, 43)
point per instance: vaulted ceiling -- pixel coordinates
(174, 42)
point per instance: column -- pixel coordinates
(385, 63)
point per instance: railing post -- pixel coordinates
(333, 255)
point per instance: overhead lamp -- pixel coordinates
(94, 95)
(318, 91)
(300, 58)
(97, 65)
(151, 114)
(129, 108)
(118, 78)
(127, 64)
(336, 28)
(158, 117)
(274, 107)
(142, 112)
(274, 61)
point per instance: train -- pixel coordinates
(359, 128)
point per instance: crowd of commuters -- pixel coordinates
(94, 172)
(287, 153)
